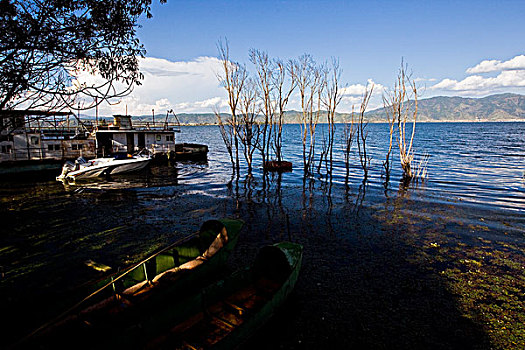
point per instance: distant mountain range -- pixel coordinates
(502, 107)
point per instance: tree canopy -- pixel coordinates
(46, 44)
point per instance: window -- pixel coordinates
(34, 140)
(52, 147)
(78, 146)
(6, 149)
(158, 137)
(169, 138)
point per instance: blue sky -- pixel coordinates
(454, 48)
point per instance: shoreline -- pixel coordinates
(419, 121)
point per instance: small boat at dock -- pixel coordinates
(84, 169)
(33, 141)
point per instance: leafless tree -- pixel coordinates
(348, 138)
(284, 85)
(403, 101)
(226, 129)
(233, 78)
(331, 99)
(309, 78)
(265, 71)
(362, 133)
(249, 130)
(390, 103)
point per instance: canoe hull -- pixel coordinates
(173, 324)
(247, 329)
(111, 315)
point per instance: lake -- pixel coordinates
(436, 264)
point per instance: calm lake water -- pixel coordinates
(482, 164)
(357, 237)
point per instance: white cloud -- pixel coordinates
(353, 96)
(507, 76)
(484, 67)
(204, 105)
(184, 86)
(482, 85)
(487, 66)
(359, 89)
(133, 104)
(353, 90)
(418, 80)
(192, 87)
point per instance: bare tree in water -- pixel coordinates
(249, 131)
(232, 79)
(362, 133)
(284, 85)
(226, 129)
(309, 78)
(330, 99)
(390, 105)
(348, 137)
(403, 107)
(264, 68)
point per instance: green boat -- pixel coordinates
(125, 299)
(226, 313)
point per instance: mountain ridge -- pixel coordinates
(492, 108)
(499, 107)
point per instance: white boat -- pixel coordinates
(83, 169)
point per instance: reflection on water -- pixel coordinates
(475, 189)
(476, 163)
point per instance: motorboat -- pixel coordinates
(119, 164)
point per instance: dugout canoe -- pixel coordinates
(129, 298)
(227, 313)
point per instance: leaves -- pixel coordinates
(45, 44)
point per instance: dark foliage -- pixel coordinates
(44, 43)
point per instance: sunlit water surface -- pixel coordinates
(476, 178)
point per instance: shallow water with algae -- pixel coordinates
(439, 264)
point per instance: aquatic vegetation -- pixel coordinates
(492, 293)
(488, 280)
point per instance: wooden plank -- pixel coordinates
(223, 323)
(189, 346)
(232, 318)
(236, 308)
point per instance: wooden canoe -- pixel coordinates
(227, 313)
(125, 299)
